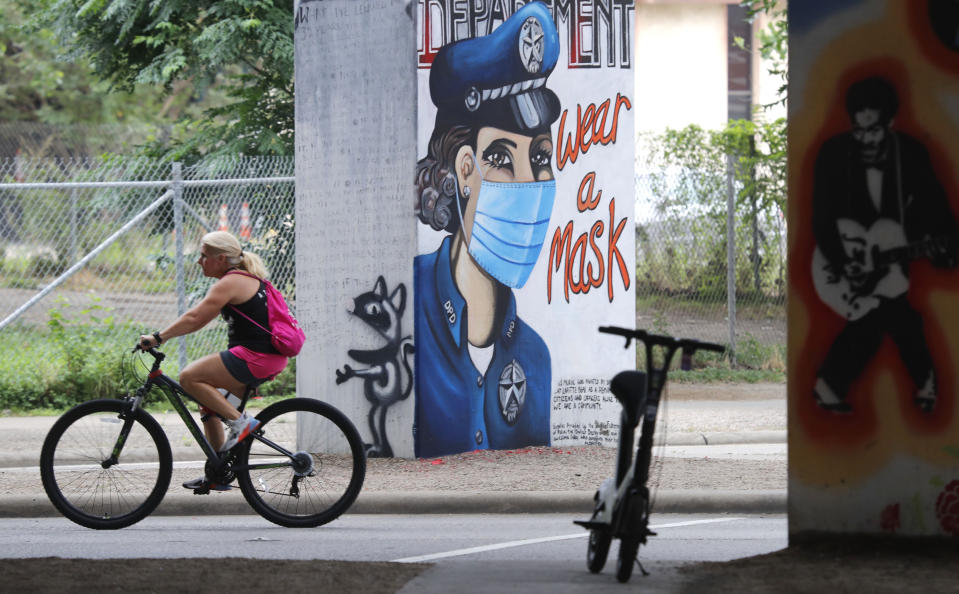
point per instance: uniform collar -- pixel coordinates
(451, 302)
(453, 305)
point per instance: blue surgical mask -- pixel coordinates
(509, 227)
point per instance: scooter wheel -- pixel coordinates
(628, 548)
(598, 549)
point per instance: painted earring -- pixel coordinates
(467, 191)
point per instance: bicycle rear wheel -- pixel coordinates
(90, 489)
(318, 477)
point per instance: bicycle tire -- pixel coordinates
(329, 446)
(105, 498)
(597, 549)
(628, 547)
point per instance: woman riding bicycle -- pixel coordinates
(250, 358)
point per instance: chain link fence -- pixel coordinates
(109, 245)
(713, 267)
(112, 243)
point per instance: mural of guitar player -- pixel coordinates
(482, 374)
(877, 204)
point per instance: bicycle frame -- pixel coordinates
(173, 392)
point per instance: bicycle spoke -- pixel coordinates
(323, 470)
(98, 497)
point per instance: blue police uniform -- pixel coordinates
(458, 408)
(499, 81)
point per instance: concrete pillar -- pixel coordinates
(873, 415)
(355, 240)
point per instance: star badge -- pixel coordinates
(531, 45)
(512, 391)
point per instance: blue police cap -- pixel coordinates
(499, 80)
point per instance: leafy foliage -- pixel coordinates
(773, 40)
(247, 45)
(55, 106)
(85, 356)
(692, 182)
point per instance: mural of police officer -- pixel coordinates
(482, 375)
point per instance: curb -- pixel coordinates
(444, 502)
(725, 438)
(26, 459)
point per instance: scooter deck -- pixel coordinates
(591, 525)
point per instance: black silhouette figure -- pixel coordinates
(389, 375)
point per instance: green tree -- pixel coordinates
(54, 105)
(36, 86)
(245, 45)
(773, 40)
(694, 188)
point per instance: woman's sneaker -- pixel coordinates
(204, 485)
(240, 429)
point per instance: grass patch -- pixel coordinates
(88, 356)
(711, 375)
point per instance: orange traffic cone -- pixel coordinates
(224, 224)
(245, 230)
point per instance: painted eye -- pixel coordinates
(372, 309)
(498, 159)
(541, 158)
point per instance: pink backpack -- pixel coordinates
(288, 337)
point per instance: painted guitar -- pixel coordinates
(875, 254)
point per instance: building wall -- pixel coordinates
(681, 65)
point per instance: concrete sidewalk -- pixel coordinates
(727, 456)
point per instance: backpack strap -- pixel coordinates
(244, 273)
(249, 318)
(231, 306)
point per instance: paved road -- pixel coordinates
(385, 537)
(543, 552)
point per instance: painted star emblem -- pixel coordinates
(531, 45)
(512, 391)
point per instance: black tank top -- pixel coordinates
(243, 332)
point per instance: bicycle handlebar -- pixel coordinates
(650, 339)
(152, 350)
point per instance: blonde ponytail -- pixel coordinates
(252, 263)
(223, 242)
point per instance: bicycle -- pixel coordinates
(106, 464)
(622, 506)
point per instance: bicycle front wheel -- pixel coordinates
(304, 465)
(91, 486)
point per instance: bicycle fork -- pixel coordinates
(127, 417)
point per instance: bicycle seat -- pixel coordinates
(629, 388)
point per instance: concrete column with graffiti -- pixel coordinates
(524, 204)
(355, 242)
(874, 287)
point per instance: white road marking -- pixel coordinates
(529, 541)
